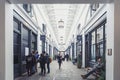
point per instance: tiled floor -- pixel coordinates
(68, 71)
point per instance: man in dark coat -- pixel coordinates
(48, 62)
(29, 64)
(42, 64)
(59, 60)
(99, 65)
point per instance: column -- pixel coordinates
(75, 49)
(83, 49)
(39, 44)
(113, 41)
(116, 40)
(110, 41)
(6, 40)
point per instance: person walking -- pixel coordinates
(48, 63)
(37, 58)
(67, 57)
(29, 64)
(59, 60)
(42, 63)
(33, 62)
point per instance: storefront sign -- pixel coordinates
(42, 37)
(79, 37)
(26, 51)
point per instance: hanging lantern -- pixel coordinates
(61, 24)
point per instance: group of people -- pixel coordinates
(66, 57)
(34, 58)
(31, 63)
(44, 59)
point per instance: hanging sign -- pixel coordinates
(26, 51)
(42, 37)
(79, 37)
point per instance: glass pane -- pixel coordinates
(15, 25)
(93, 37)
(16, 59)
(101, 49)
(33, 37)
(25, 34)
(17, 48)
(100, 34)
(33, 46)
(93, 53)
(105, 31)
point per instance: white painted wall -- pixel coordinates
(110, 41)
(26, 19)
(43, 18)
(6, 40)
(39, 42)
(95, 19)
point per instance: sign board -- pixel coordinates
(79, 37)
(26, 51)
(42, 37)
(109, 52)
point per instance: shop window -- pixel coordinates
(101, 49)
(25, 34)
(16, 47)
(28, 8)
(34, 42)
(17, 40)
(93, 37)
(44, 28)
(93, 8)
(97, 43)
(17, 25)
(93, 46)
(105, 31)
(93, 52)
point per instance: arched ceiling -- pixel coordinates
(58, 12)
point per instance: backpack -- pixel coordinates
(50, 60)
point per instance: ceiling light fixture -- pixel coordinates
(61, 23)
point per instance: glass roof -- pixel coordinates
(64, 12)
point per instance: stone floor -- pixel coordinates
(68, 71)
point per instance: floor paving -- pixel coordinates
(68, 71)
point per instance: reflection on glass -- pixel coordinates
(93, 37)
(93, 53)
(100, 34)
(101, 49)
